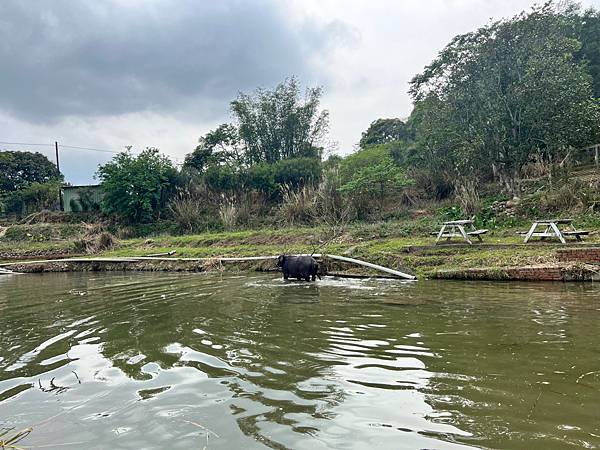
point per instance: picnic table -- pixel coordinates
(460, 228)
(553, 229)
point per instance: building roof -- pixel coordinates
(80, 186)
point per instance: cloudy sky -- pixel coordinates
(107, 74)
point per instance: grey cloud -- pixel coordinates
(89, 58)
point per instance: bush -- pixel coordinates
(136, 188)
(33, 198)
(261, 177)
(222, 178)
(295, 172)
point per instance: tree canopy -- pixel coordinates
(498, 95)
(18, 170)
(269, 125)
(382, 131)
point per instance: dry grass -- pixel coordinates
(94, 239)
(187, 212)
(228, 213)
(298, 205)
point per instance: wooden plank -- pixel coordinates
(477, 232)
(555, 221)
(458, 222)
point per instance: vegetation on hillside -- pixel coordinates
(501, 121)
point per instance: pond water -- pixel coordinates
(181, 361)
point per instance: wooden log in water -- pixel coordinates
(358, 262)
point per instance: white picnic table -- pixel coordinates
(559, 228)
(459, 228)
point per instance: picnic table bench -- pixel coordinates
(553, 229)
(459, 228)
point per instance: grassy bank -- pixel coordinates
(407, 245)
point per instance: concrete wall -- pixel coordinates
(72, 194)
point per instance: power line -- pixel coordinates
(88, 148)
(25, 143)
(61, 145)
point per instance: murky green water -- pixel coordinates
(166, 361)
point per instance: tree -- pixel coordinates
(217, 147)
(137, 187)
(497, 96)
(587, 26)
(278, 124)
(382, 131)
(18, 170)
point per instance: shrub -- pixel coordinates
(297, 172)
(35, 197)
(261, 177)
(222, 178)
(136, 188)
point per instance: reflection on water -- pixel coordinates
(187, 361)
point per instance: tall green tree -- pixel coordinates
(496, 96)
(18, 170)
(136, 188)
(382, 131)
(217, 147)
(279, 123)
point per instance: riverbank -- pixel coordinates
(404, 246)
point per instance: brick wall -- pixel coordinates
(579, 255)
(536, 273)
(566, 272)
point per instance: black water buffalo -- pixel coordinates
(300, 267)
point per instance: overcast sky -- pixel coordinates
(106, 74)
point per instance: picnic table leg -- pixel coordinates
(546, 231)
(577, 236)
(439, 236)
(530, 232)
(464, 234)
(558, 233)
(477, 235)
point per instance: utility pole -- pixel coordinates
(57, 161)
(60, 197)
